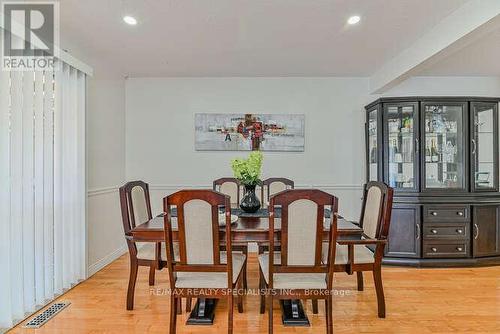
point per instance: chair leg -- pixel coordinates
(152, 271)
(134, 266)
(230, 308)
(173, 314)
(178, 305)
(315, 306)
(329, 315)
(270, 306)
(240, 297)
(377, 278)
(262, 286)
(359, 275)
(244, 273)
(188, 304)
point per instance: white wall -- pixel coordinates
(105, 169)
(160, 131)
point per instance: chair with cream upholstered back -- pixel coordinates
(273, 185)
(297, 271)
(231, 187)
(136, 209)
(366, 254)
(202, 269)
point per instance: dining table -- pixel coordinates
(249, 228)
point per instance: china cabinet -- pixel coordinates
(441, 155)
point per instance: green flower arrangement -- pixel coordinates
(247, 171)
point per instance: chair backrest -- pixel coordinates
(274, 185)
(228, 186)
(376, 210)
(197, 232)
(302, 227)
(135, 204)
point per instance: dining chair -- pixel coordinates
(202, 269)
(274, 185)
(136, 209)
(230, 186)
(298, 270)
(366, 254)
(270, 187)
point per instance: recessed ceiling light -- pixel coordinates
(354, 19)
(130, 20)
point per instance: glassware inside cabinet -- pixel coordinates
(372, 145)
(401, 141)
(484, 139)
(444, 166)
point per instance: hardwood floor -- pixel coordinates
(420, 301)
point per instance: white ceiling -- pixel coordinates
(249, 37)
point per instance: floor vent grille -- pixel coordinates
(46, 315)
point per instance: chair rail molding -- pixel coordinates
(175, 187)
(102, 191)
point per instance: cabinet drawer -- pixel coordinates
(445, 249)
(446, 213)
(447, 231)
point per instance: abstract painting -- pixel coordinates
(247, 132)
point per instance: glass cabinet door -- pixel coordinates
(400, 121)
(444, 127)
(484, 146)
(372, 138)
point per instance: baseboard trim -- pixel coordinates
(108, 259)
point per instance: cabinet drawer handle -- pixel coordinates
(460, 231)
(459, 249)
(460, 213)
(476, 227)
(434, 213)
(434, 249)
(418, 231)
(434, 231)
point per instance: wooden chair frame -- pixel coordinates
(128, 220)
(379, 242)
(267, 183)
(284, 199)
(242, 248)
(216, 200)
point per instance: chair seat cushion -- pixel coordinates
(207, 280)
(147, 250)
(361, 254)
(291, 280)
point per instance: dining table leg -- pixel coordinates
(292, 313)
(203, 312)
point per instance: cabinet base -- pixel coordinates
(422, 263)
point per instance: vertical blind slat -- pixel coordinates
(58, 180)
(28, 196)
(39, 191)
(5, 259)
(48, 182)
(16, 196)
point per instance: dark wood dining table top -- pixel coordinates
(246, 229)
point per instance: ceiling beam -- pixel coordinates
(470, 21)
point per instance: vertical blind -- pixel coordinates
(42, 187)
